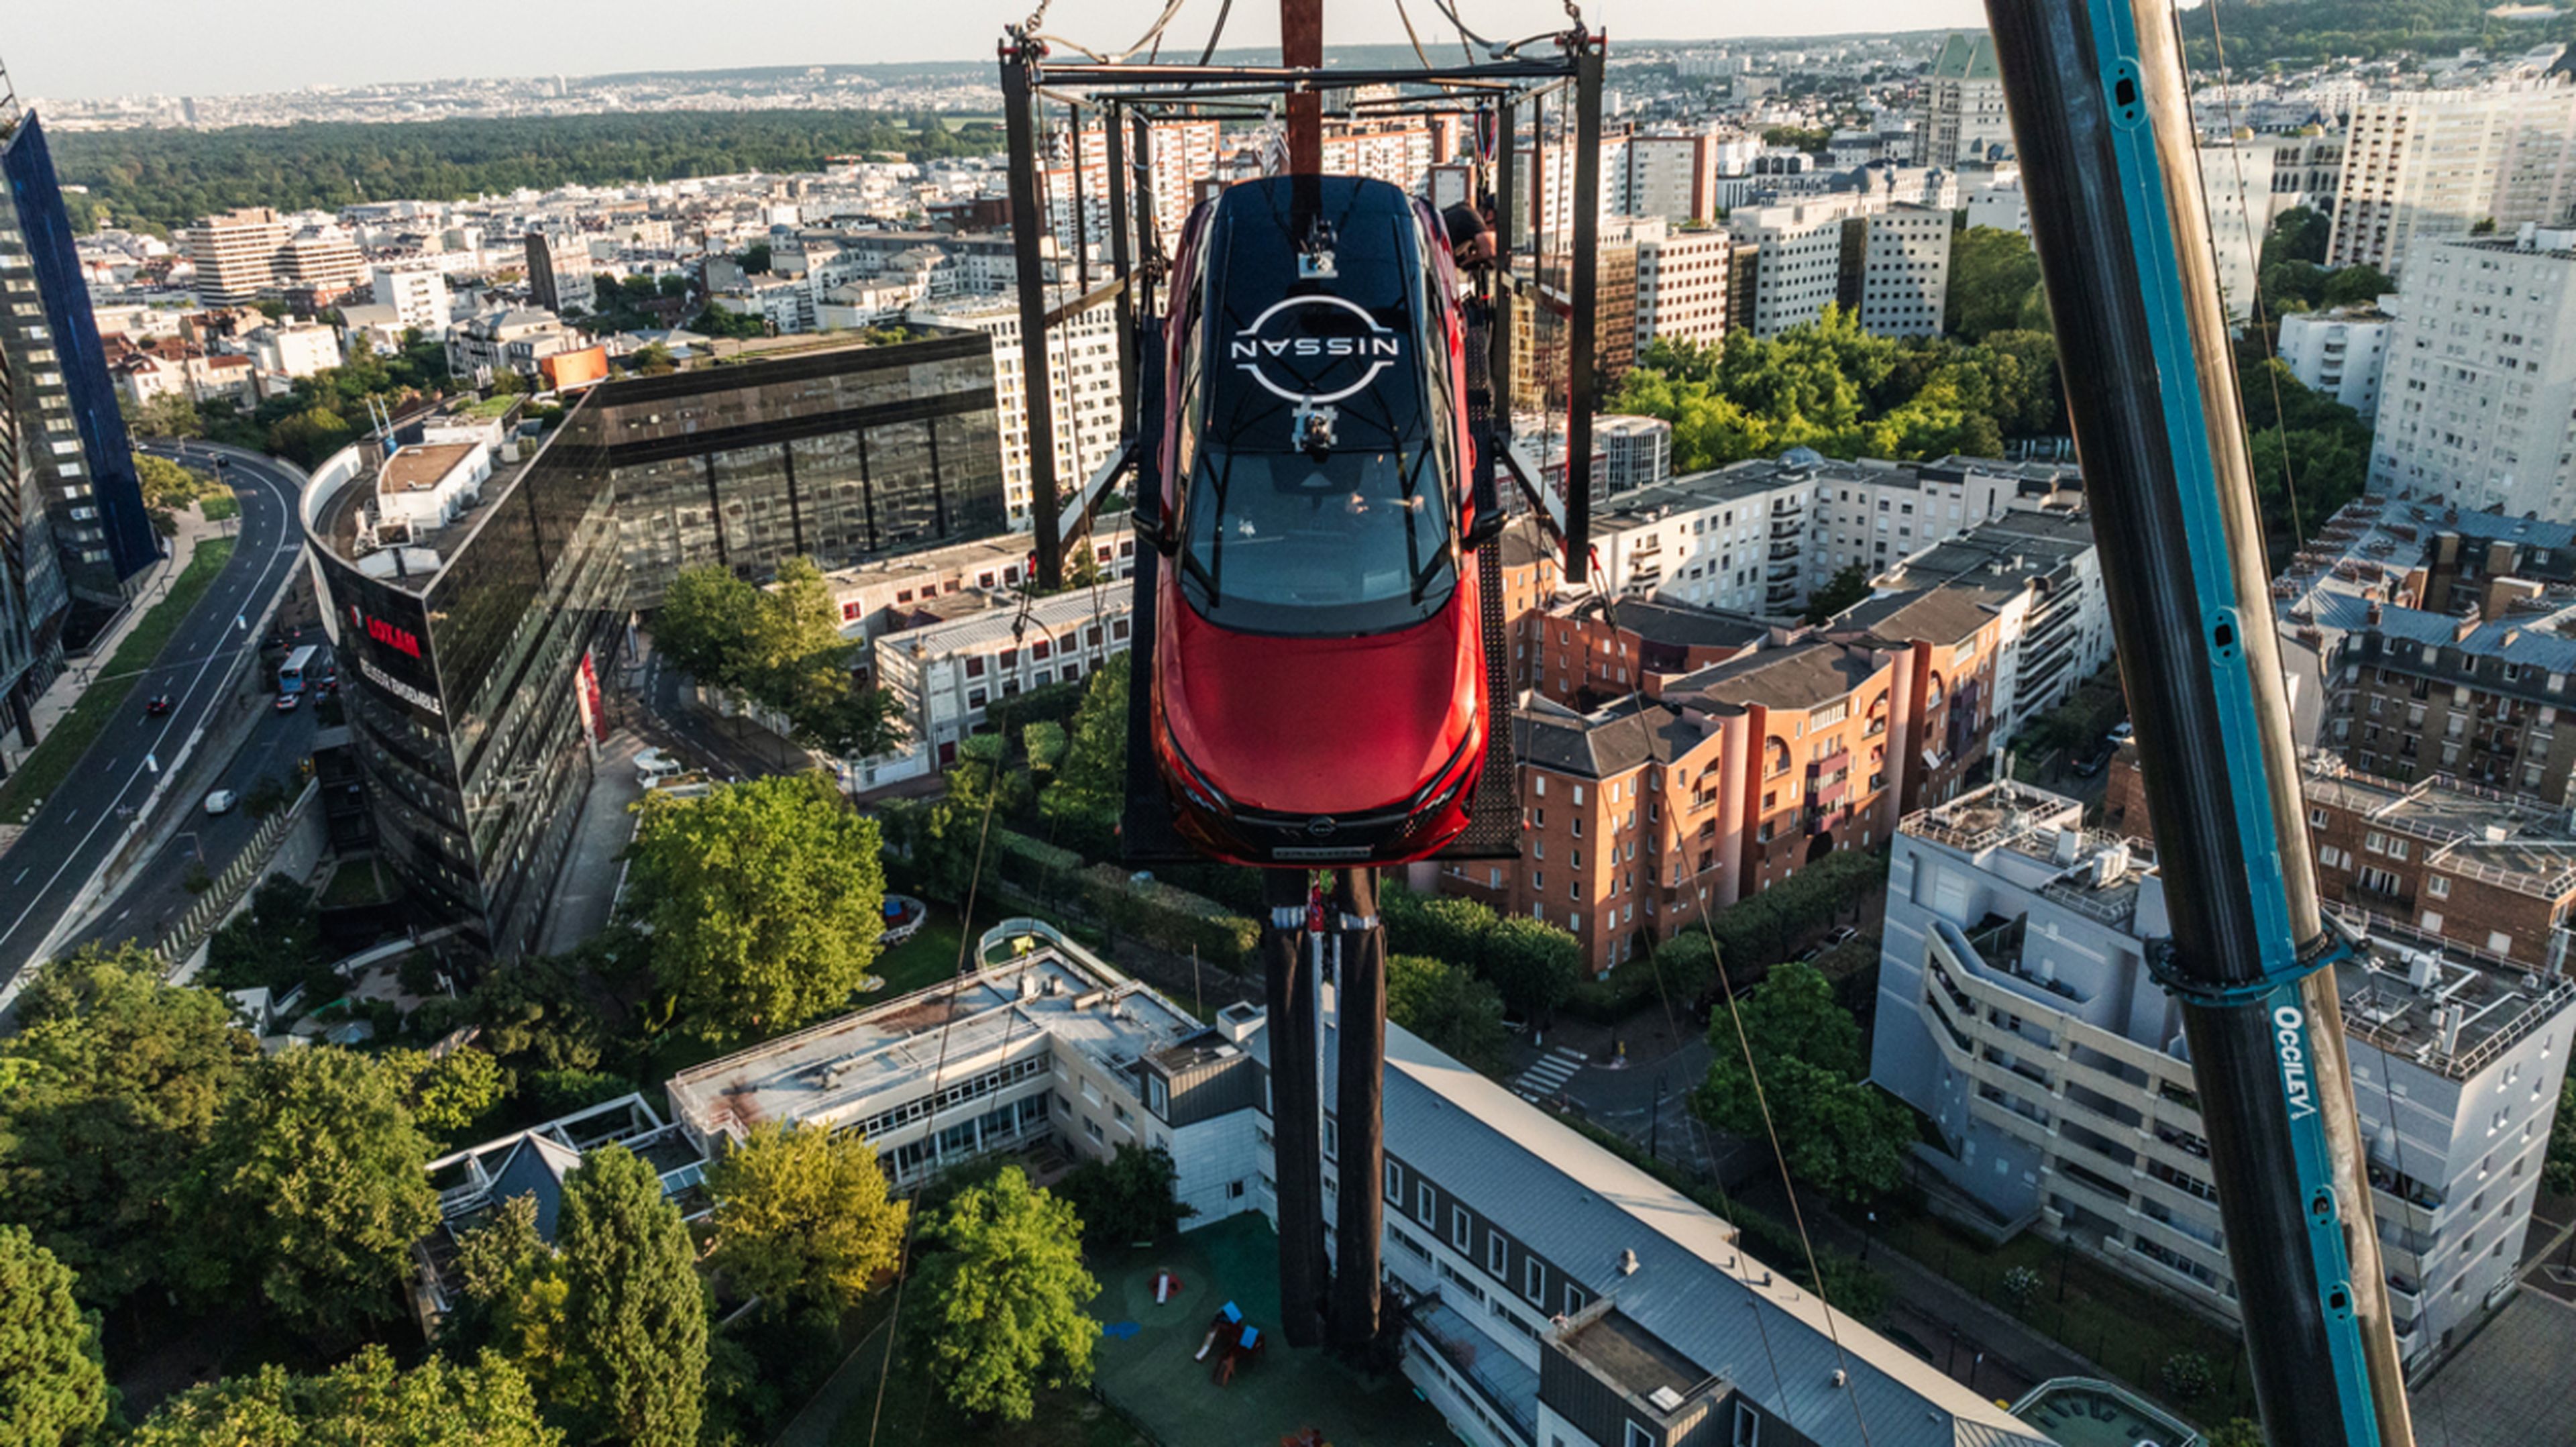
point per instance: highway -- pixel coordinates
(46, 874)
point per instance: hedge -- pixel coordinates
(1150, 911)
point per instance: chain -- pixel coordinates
(1037, 17)
(1573, 14)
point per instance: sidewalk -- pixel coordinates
(65, 691)
(586, 885)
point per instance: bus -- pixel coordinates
(290, 674)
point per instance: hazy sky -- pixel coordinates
(181, 47)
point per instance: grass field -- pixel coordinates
(219, 506)
(54, 759)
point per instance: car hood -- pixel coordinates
(1319, 725)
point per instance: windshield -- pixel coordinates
(1357, 541)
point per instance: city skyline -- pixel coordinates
(75, 54)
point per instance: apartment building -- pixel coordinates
(2236, 187)
(235, 255)
(1889, 264)
(1734, 538)
(2037, 575)
(2016, 1012)
(417, 292)
(1082, 386)
(2425, 167)
(1672, 177)
(2411, 692)
(322, 262)
(1798, 260)
(2490, 875)
(1683, 279)
(1905, 271)
(2480, 376)
(2342, 352)
(1631, 453)
(559, 274)
(509, 340)
(1590, 649)
(1960, 118)
(947, 660)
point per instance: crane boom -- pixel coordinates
(2101, 118)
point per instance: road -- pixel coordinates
(46, 874)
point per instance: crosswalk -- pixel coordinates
(1548, 1074)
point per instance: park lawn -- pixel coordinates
(356, 881)
(61, 751)
(219, 507)
(927, 958)
(915, 1410)
(2119, 1324)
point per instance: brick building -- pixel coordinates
(2412, 692)
(1591, 650)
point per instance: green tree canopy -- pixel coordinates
(635, 1313)
(363, 1401)
(108, 1092)
(454, 1090)
(781, 646)
(765, 899)
(802, 1217)
(53, 1388)
(1532, 963)
(1005, 1298)
(1453, 1011)
(513, 1287)
(1840, 1133)
(310, 1190)
(1848, 587)
(2558, 1168)
(1128, 1197)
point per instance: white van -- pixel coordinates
(654, 765)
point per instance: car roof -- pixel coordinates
(1281, 335)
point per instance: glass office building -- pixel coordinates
(840, 456)
(472, 655)
(72, 438)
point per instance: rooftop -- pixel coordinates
(2476, 831)
(2449, 1009)
(1797, 675)
(420, 469)
(843, 1071)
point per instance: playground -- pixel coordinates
(1147, 1363)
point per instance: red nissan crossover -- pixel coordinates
(1319, 660)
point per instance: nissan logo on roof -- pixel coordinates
(1300, 355)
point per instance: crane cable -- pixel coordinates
(1152, 37)
(1815, 1273)
(939, 1065)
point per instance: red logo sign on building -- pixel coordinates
(401, 640)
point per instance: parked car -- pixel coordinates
(652, 766)
(158, 705)
(2092, 764)
(1842, 935)
(220, 802)
(289, 702)
(2122, 734)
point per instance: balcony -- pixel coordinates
(1508, 1386)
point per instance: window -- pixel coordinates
(1395, 1183)
(1748, 1425)
(2499, 943)
(1497, 1251)
(1462, 1230)
(1640, 1437)
(1423, 1210)
(2438, 886)
(1533, 1279)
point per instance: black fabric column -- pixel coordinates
(1296, 1111)
(1359, 1110)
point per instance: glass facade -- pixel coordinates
(465, 707)
(839, 456)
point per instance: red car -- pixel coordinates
(1319, 657)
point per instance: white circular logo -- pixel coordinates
(1297, 361)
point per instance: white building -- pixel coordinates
(2236, 184)
(946, 661)
(1994, 198)
(2480, 377)
(516, 340)
(1962, 120)
(1556, 1293)
(417, 291)
(2016, 1012)
(426, 487)
(1682, 279)
(235, 254)
(2037, 574)
(1797, 266)
(2421, 167)
(1732, 539)
(1634, 452)
(1672, 177)
(1905, 271)
(2340, 352)
(785, 303)
(1082, 378)
(294, 349)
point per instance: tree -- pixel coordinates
(1993, 273)
(718, 321)
(167, 484)
(170, 414)
(705, 623)
(1089, 790)
(2349, 285)
(1453, 1011)
(455, 1090)
(53, 1388)
(1127, 1197)
(1839, 1132)
(765, 900)
(365, 1400)
(802, 1217)
(755, 258)
(1797, 138)
(114, 1084)
(1533, 964)
(2558, 1168)
(653, 360)
(311, 1191)
(2239, 1432)
(2298, 234)
(1005, 1298)
(1848, 587)
(635, 1313)
(514, 1294)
